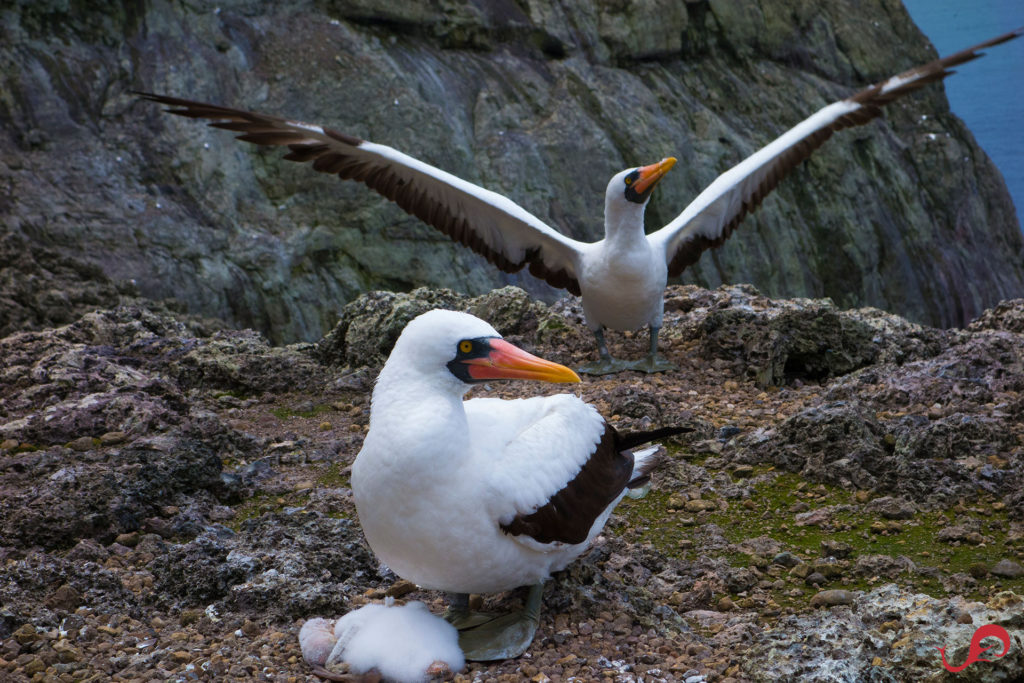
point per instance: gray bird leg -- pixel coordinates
(654, 362)
(605, 365)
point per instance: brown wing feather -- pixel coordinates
(570, 513)
(263, 129)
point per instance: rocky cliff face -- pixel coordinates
(102, 195)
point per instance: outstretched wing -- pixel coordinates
(709, 220)
(488, 223)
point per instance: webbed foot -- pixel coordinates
(605, 366)
(652, 363)
(486, 637)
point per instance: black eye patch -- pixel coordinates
(468, 349)
(631, 194)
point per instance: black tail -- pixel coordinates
(634, 439)
(642, 473)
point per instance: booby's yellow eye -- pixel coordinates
(465, 346)
(629, 180)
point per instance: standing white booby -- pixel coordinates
(485, 495)
(621, 278)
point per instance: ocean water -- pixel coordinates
(988, 93)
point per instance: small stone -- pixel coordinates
(700, 505)
(836, 549)
(130, 539)
(325, 426)
(400, 588)
(190, 616)
(66, 652)
(829, 569)
(112, 438)
(677, 500)
(964, 618)
(26, 634)
(726, 604)
(1007, 569)
(830, 598)
(180, 656)
(815, 579)
(567, 660)
(786, 559)
(685, 544)
(892, 507)
(35, 666)
(64, 598)
(82, 443)
(743, 472)
(978, 570)
(801, 571)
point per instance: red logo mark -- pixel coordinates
(976, 650)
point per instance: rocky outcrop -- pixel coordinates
(175, 498)
(103, 196)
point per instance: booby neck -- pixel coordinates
(623, 220)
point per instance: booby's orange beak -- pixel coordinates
(650, 175)
(506, 361)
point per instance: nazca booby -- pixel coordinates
(485, 495)
(621, 278)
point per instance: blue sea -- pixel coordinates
(988, 93)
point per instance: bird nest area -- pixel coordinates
(849, 499)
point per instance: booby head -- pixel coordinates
(465, 350)
(638, 183)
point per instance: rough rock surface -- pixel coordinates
(174, 498)
(102, 195)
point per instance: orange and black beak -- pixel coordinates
(491, 358)
(650, 175)
(641, 182)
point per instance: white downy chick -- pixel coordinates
(404, 644)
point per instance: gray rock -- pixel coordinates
(841, 643)
(836, 549)
(786, 559)
(833, 597)
(370, 325)
(1008, 569)
(891, 507)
